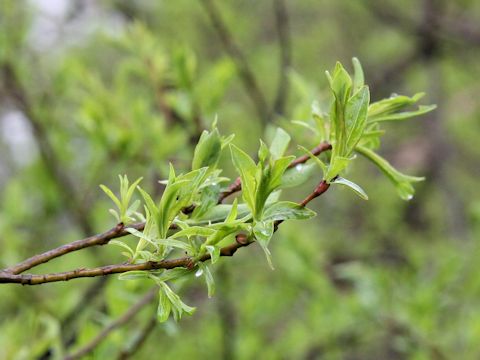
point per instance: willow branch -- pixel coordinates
(245, 72)
(12, 274)
(126, 317)
(120, 229)
(100, 239)
(187, 262)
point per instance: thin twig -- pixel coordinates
(245, 72)
(283, 31)
(126, 317)
(100, 239)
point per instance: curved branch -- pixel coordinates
(187, 262)
(100, 239)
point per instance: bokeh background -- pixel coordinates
(93, 89)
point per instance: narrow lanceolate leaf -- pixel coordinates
(422, 109)
(143, 236)
(194, 231)
(209, 280)
(279, 144)
(176, 244)
(263, 232)
(122, 245)
(358, 77)
(352, 186)
(177, 306)
(392, 104)
(164, 306)
(111, 195)
(208, 199)
(341, 83)
(207, 152)
(214, 252)
(298, 175)
(319, 162)
(356, 117)
(232, 216)
(129, 193)
(221, 212)
(286, 210)
(246, 168)
(337, 165)
(402, 182)
(134, 275)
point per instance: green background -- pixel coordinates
(382, 279)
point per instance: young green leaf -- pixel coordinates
(279, 143)
(210, 281)
(358, 77)
(422, 109)
(297, 175)
(177, 306)
(164, 306)
(111, 195)
(208, 150)
(214, 252)
(124, 246)
(286, 210)
(337, 165)
(319, 162)
(356, 118)
(263, 232)
(341, 83)
(402, 182)
(247, 169)
(134, 275)
(351, 185)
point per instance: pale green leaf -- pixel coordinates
(286, 210)
(402, 182)
(279, 143)
(263, 232)
(297, 175)
(351, 185)
(358, 77)
(422, 109)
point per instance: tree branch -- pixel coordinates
(12, 274)
(100, 239)
(186, 262)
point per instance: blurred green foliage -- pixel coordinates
(122, 87)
